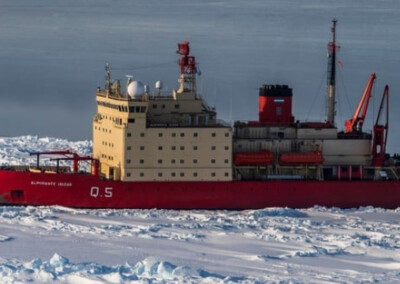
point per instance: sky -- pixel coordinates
(53, 53)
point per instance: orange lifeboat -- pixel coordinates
(307, 158)
(263, 157)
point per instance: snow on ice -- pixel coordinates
(278, 245)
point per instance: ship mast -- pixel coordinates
(108, 79)
(187, 64)
(331, 82)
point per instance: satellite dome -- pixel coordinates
(159, 85)
(135, 89)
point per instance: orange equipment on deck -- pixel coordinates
(263, 157)
(356, 122)
(307, 158)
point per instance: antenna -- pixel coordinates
(188, 66)
(108, 78)
(331, 82)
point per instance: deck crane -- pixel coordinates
(75, 162)
(381, 132)
(68, 156)
(49, 153)
(354, 125)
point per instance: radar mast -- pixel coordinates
(331, 82)
(188, 67)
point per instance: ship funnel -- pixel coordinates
(275, 105)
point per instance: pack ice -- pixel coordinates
(273, 245)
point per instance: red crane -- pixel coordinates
(381, 132)
(355, 124)
(67, 153)
(75, 162)
(38, 154)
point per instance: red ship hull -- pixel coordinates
(88, 191)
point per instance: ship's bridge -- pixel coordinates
(144, 136)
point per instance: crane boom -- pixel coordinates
(356, 122)
(381, 132)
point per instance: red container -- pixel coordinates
(264, 157)
(308, 158)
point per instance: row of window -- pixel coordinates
(104, 143)
(176, 106)
(173, 174)
(173, 161)
(121, 108)
(111, 158)
(173, 148)
(102, 129)
(173, 134)
(113, 106)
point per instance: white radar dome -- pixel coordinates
(159, 85)
(135, 89)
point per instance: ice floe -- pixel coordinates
(278, 245)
